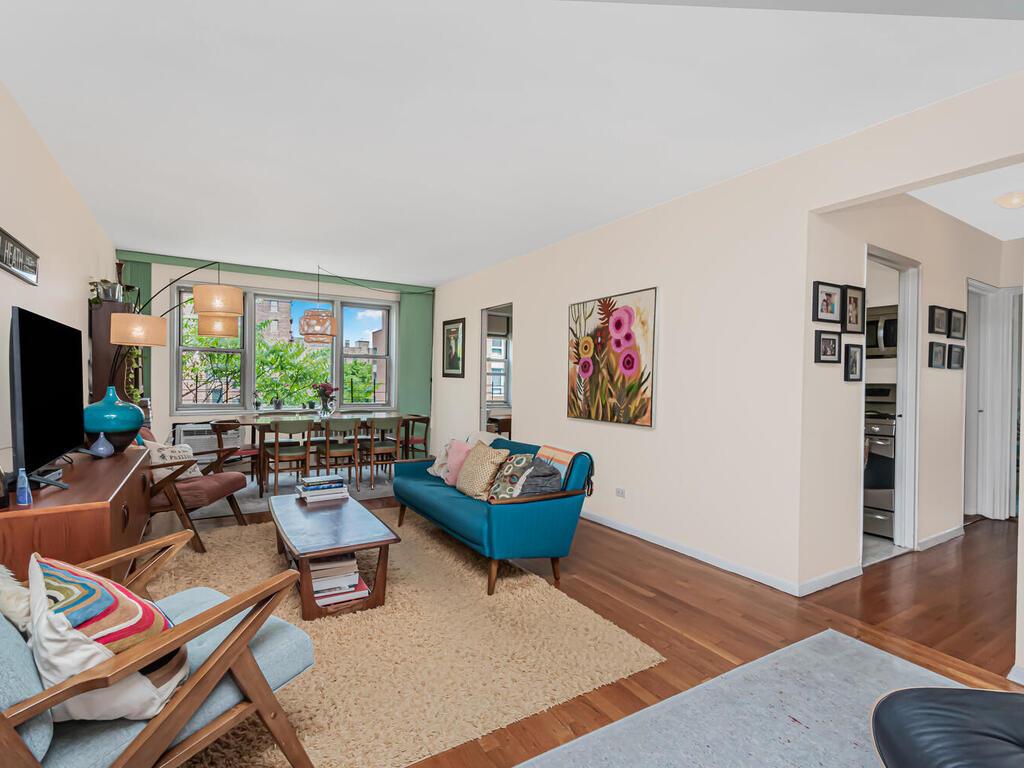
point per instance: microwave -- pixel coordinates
(881, 331)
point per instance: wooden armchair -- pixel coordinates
(248, 634)
(185, 495)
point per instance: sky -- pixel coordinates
(358, 323)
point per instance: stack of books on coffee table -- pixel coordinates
(322, 488)
(336, 580)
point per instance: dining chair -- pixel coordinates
(339, 448)
(416, 443)
(383, 446)
(278, 452)
(245, 456)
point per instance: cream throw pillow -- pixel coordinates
(160, 454)
(478, 471)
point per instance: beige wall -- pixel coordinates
(744, 455)
(160, 368)
(40, 208)
(949, 253)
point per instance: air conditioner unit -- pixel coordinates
(200, 437)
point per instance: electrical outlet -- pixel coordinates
(620, 492)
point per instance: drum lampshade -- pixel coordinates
(217, 299)
(132, 330)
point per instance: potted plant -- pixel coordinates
(325, 390)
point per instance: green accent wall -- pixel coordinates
(141, 274)
(415, 317)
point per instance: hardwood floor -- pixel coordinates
(950, 609)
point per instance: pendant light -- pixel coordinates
(218, 300)
(218, 326)
(317, 325)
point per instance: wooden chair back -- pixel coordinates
(290, 428)
(339, 429)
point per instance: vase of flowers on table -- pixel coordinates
(325, 391)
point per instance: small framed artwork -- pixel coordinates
(453, 337)
(827, 302)
(957, 324)
(853, 362)
(853, 309)
(827, 346)
(938, 320)
(936, 354)
(955, 357)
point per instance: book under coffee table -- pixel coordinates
(326, 529)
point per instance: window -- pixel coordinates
(271, 364)
(286, 367)
(498, 365)
(365, 355)
(209, 368)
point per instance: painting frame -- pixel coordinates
(853, 362)
(819, 314)
(453, 366)
(612, 358)
(938, 320)
(937, 355)
(858, 295)
(831, 353)
(957, 325)
(954, 357)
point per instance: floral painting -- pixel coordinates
(611, 358)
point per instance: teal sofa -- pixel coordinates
(524, 527)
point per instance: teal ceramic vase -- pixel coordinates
(117, 420)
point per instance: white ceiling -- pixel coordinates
(970, 199)
(980, 9)
(420, 141)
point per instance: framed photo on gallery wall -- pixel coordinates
(826, 303)
(853, 309)
(955, 357)
(827, 346)
(957, 324)
(453, 339)
(938, 320)
(853, 362)
(936, 354)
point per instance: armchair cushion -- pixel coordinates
(282, 652)
(198, 492)
(19, 680)
(161, 454)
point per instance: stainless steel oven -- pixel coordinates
(880, 459)
(881, 331)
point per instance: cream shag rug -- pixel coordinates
(439, 664)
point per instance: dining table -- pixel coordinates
(262, 423)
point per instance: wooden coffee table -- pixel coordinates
(325, 529)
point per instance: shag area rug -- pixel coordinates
(439, 664)
(806, 705)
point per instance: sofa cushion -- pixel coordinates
(282, 651)
(198, 492)
(19, 680)
(508, 483)
(478, 471)
(458, 451)
(443, 504)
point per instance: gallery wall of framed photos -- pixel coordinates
(951, 324)
(842, 305)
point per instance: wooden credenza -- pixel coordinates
(105, 509)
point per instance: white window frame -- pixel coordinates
(241, 351)
(248, 351)
(507, 360)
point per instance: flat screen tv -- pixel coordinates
(46, 389)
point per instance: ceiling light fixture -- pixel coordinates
(218, 326)
(317, 325)
(219, 300)
(1011, 200)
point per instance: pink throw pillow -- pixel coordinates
(457, 453)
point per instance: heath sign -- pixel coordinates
(18, 260)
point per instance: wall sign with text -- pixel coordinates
(18, 260)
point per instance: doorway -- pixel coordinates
(889, 520)
(496, 370)
(992, 402)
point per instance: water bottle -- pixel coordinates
(22, 493)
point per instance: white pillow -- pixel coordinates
(160, 453)
(482, 437)
(79, 620)
(14, 602)
(440, 466)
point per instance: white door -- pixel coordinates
(975, 410)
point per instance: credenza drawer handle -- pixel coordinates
(124, 516)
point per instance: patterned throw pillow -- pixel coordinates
(80, 620)
(478, 471)
(558, 458)
(509, 480)
(160, 454)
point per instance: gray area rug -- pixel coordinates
(808, 704)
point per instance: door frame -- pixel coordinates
(908, 343)
(996, 442)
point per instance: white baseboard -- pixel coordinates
(1016, 674)
(940, 538)
(826, 580)
(782, 585)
